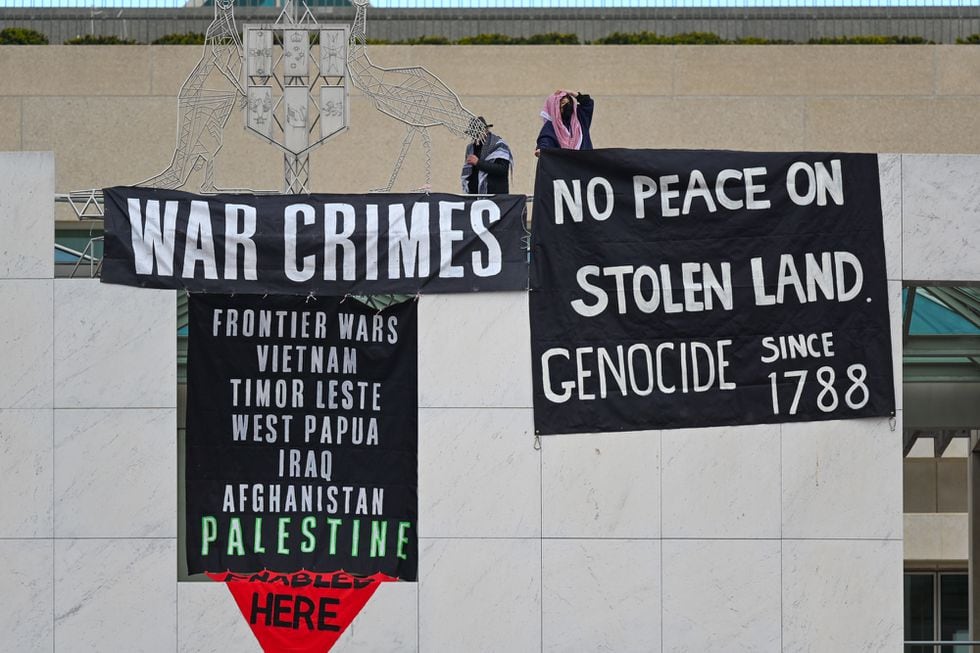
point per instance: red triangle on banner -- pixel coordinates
(299, 612)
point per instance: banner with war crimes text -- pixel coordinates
(322, 243)
(698, 288)
(302, 436)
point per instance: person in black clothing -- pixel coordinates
(486, 170)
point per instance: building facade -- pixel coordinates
(781, 537)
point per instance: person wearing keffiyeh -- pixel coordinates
(567, 119)
(487, 165)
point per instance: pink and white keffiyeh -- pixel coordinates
(568, 139)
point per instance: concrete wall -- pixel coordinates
(935, 504)
(109, 113)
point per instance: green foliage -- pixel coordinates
(972, 39)
(191, 38)
(871, 39)
(651, 38)
(426, 40)
(552, 38)
(630, 38)
(696, 38)
(21, 36)
(487, 39)
(90, 39)
(755, 40)
(709, 38)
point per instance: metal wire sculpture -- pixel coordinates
(205, 103)
(297, 100)
(410, 94)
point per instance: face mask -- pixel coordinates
(566, 112)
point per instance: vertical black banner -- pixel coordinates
(302, 436)
(697, 288)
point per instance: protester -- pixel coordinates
(488, 163)
(567, 119)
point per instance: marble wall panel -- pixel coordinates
(27, 617)
(26, 351)
(601, 595)
(842, 595)
(479, 595)
(389, 622)
(474, 351)
(209, 621)
(110, 358)
(895, 325)
(842, 479)
(26, 214)
(115, 595)
(721, 595)
(26, 473)
(479, 474)
(890, 180)
(116, 473)
(940, 217)
(721, 482)
(601, 485)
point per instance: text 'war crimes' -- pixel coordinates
(415, 243)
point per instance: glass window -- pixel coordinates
(937, 609)
(77, 248)
(953, 611)
(920, 601)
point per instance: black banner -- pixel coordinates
(302, 436)
(325, 244)
(696, 288)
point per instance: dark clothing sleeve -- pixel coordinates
(494, 168)
(585, 108)
(547, 138)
